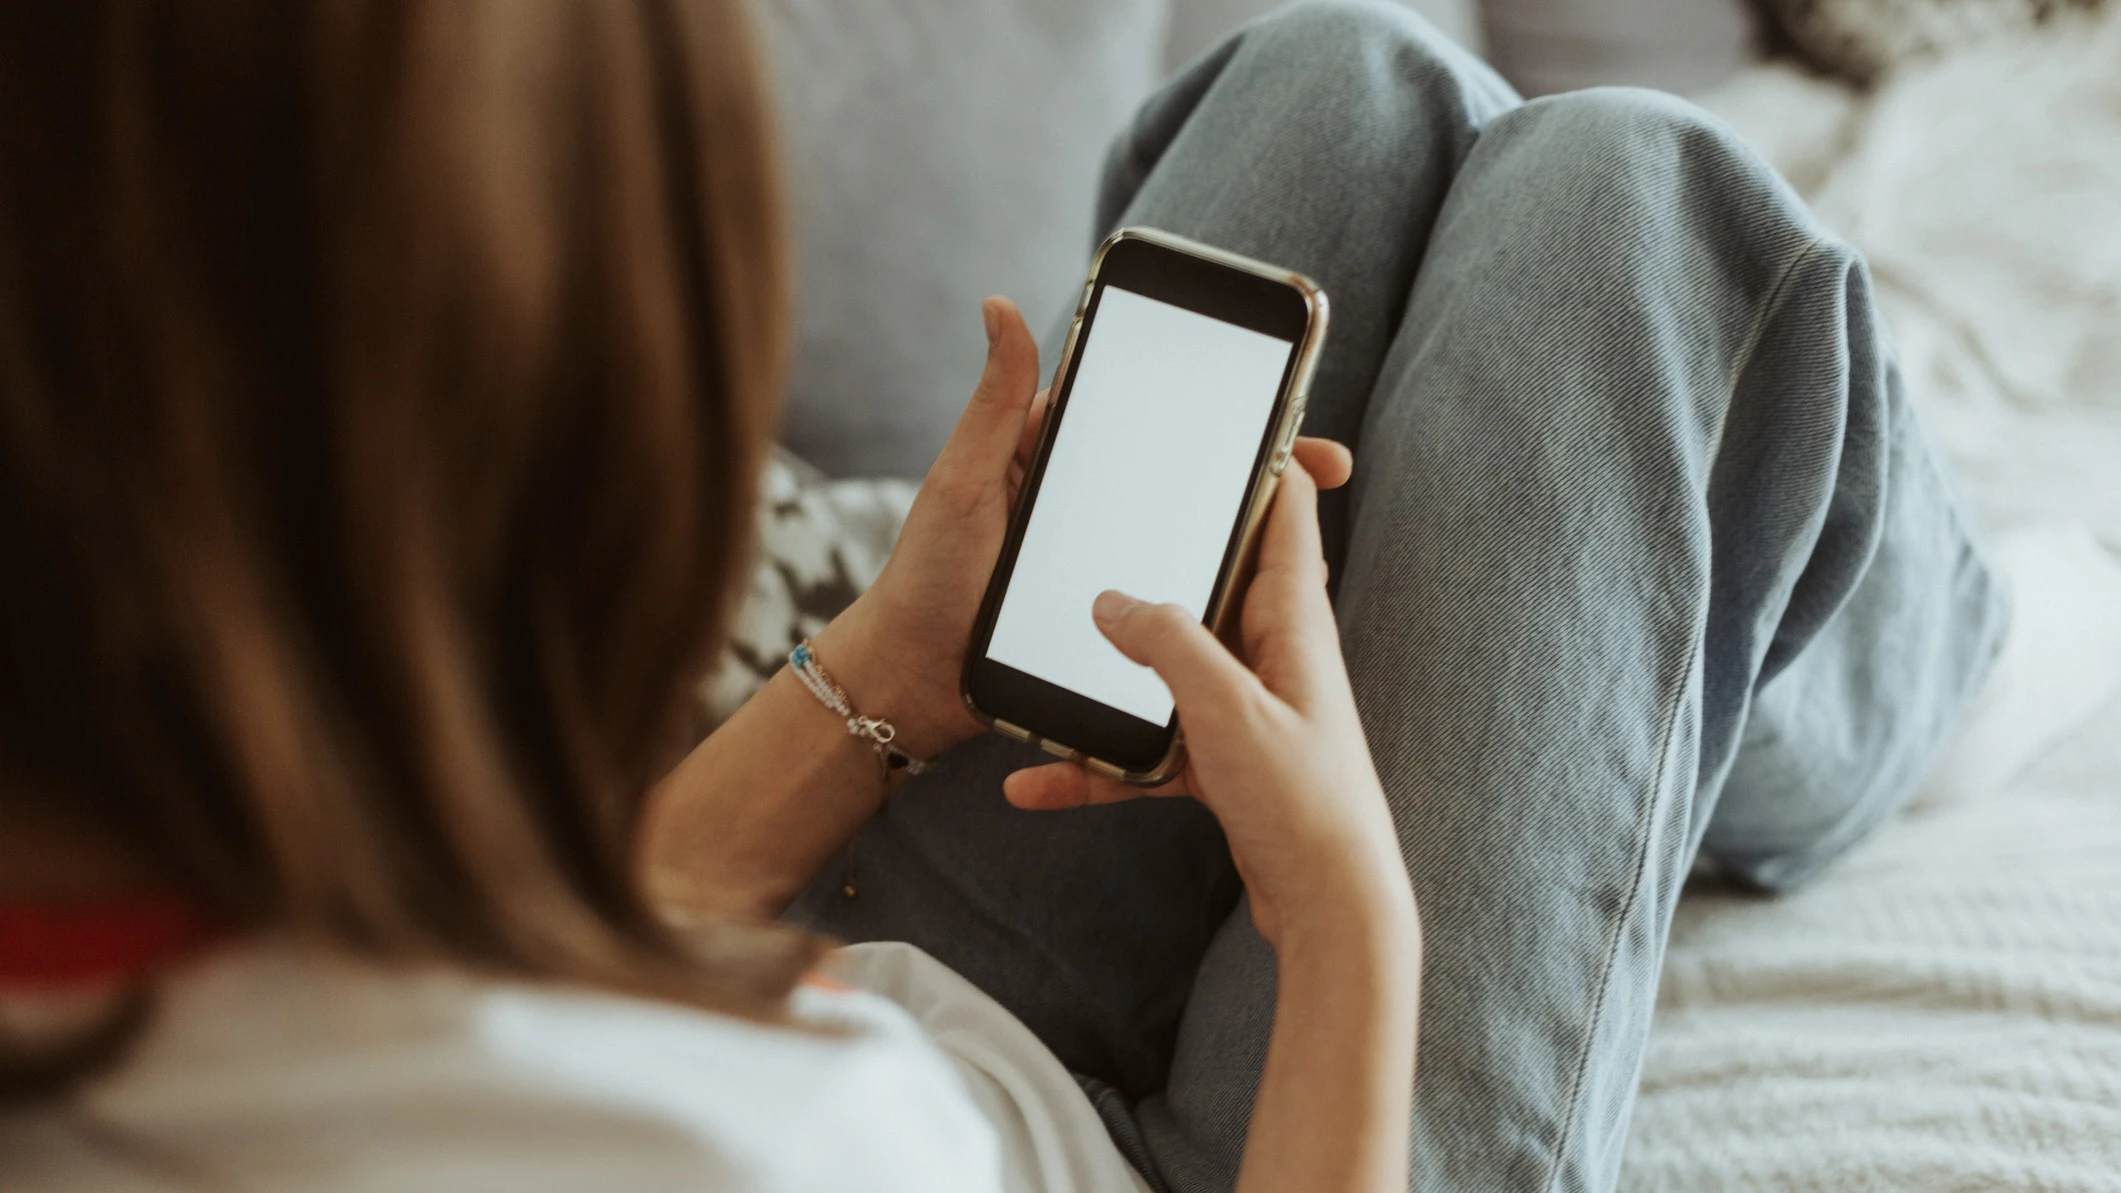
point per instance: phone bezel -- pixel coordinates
(1221, 285)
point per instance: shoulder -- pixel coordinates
(296, 1072)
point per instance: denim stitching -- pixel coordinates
(1769, 309)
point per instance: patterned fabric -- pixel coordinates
(820, 543)
(1862, 40)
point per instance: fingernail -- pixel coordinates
(1111, 605)
(991, 311)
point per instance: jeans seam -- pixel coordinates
(1574, 1101)
(1670, 721)
(1770, 308)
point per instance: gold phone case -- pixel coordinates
(1266, 478)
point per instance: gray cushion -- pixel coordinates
(1198, 24)
(1543, 46)
(939, 151)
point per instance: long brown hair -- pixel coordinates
(383, 386)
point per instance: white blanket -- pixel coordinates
(1986, 192)
(1943, 1012)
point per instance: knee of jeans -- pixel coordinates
(1655, 149)
(1608, 111)
(1623, 194)
(1623, 217)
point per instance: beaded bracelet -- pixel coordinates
(877, 731)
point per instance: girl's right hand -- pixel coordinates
(1274, 747)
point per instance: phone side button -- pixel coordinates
(1067, 352)
(1288, 441)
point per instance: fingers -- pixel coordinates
(1063, 785)
(1287, 612)
(1035, 421)
(1290, 550)
(984, 443)
(1027, 443)
(1058, 785)
(1329, 463)
(1204, 677)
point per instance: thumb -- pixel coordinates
(1204, 677)
(986, 436)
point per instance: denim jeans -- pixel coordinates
(1645, 561)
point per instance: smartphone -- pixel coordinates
(1173, 410)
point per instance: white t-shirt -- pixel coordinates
(274, 1067)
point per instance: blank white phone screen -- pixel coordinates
(1141, 491)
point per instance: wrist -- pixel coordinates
(1359, 916)
(855, 649)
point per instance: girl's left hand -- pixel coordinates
(899, 649)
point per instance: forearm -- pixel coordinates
(743, 823)
(1335, 1096)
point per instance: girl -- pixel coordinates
(385, 386)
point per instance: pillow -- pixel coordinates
(1543, 46)
(938, 151)
(820, 543)
(1198, 24)
(1860, 40)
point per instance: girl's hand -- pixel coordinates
(899, 649)
(1273, 744)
